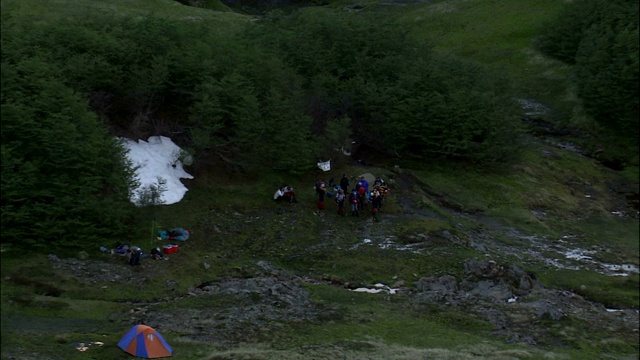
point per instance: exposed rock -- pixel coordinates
(547, 309)
(496, 291)
(442, 289)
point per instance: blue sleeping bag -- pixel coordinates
(174, 234)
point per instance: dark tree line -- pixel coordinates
(401, 99)
(279, 94)
(601, 40)
(64, 179)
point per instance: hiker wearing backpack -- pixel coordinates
(365, 184)
(378, 182)
(362, 197)
(340, 198)
(354, 200)
(384, 190)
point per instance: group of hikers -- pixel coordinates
(358, 198)
(285, 193)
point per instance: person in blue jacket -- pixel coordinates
(365, 184)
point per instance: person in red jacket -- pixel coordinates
(362, 196)
(289, 195)
(321, 190)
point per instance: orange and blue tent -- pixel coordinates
(144, 341)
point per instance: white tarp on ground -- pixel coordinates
(157, 158)
(325, 166)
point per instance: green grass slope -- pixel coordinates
(499, 34)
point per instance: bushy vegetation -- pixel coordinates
(403, 99)
(63, 177)
(601, 40)
(272, 95)
(277, 93)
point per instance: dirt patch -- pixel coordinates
(96, 272)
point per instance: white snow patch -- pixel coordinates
(157, 158)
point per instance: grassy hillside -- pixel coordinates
(499, 34)
(527, 214)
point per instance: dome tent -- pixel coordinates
(144, 341)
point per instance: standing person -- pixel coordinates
(376, 200)
(344, 183)
(362, 197)
(321, 192)
(384, 190)
(354, 199)
(340, 198)
(319, 183)
(365, 184)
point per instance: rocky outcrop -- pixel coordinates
(484, 280)
(515, 302)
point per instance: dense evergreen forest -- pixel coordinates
(600, 40)
(277, 91)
